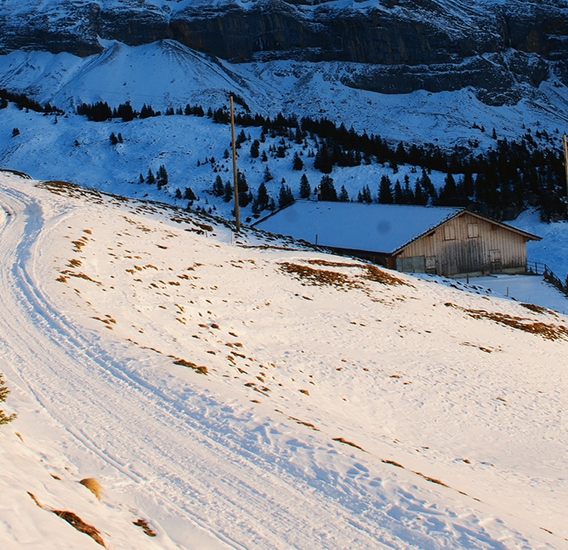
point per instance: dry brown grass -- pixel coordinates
(79, 276)
(392, 463)
(191, 365)
(378, 275)
(93, 485)
(317, 277)
(303, 423)
(539, 309)
(431, 479)
(145, 527)
(73, 519)
(309, 275)
(548, 331)
(347, 442)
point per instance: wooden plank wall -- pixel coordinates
(466, 254)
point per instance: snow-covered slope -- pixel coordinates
(239, 391)
(167, 74)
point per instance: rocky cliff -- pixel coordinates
(398, 45)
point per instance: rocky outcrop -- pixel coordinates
(405, 45)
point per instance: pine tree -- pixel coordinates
(365, 195)
(162, 176)
(244, 194)
(147, 111)
(262, 199)
(323, 160)
(285, 196)
(398, 193)
(449, 193)
(218, 187)
(255, 149)
(150, 178)
(267, 174)
(189, 195)
(125, 111)
(407, 191)
(385, 190)
(297, 162)
(419, 196)
(327, 190)
(241, 138)
(428, 186)
(305, 189)
(177, 193)
(228, 192)
(343, 194)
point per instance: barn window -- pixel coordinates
(472, 230)
(449, 233)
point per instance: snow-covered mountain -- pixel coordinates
(500, 49)
(241, 391)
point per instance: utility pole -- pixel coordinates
(565, 159)
(235, 175)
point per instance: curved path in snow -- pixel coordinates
(187, 452)
(204, 469)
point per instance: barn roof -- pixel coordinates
(354, 225)
(385, 228)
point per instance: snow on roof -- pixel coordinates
(357, 226)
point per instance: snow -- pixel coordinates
(180, 75)
(552, 249)
(525, 288)
(373, 227)
(307, 354)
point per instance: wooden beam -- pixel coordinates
(235, 175)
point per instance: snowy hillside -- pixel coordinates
(238, 391)
(167, 74)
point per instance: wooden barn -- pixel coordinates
(414, 239)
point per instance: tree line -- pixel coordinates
(500, 182)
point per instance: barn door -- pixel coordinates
(495, 259)
(415, 264)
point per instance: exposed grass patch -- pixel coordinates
(191, 365)
(317, 277)
(431, 479)
(145, 527)
(73, 519)
(303, 423)
(328, 277)
(392, 463)
(80, 276)
(539, 309)
(350, 443)
(546, 330)
(93, 485)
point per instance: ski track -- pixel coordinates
(236, 469)
(56, 341)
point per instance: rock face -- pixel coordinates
(403, 45)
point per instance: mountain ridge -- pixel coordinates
(393, 40)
